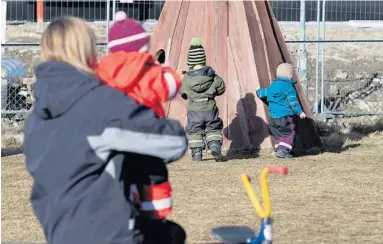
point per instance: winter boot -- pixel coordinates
(283, 153)
(196, 154)
(216, 148)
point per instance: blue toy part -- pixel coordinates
(264, 234)
(233, 234)
(12, 68)
(11, 71)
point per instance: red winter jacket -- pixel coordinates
(141, 78)
(138, 75)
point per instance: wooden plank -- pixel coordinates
(178, 35)
(209, 34)
(243, 44)
(220, 32)
(271, 44)
(242, 47)
(175, 50)
(260, 52)
(170, 17)
(194, 27)
(281, 41)
(258, 9)
(306, 129)
(166, 26)
(236, 130)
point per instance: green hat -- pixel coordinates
(196, 54)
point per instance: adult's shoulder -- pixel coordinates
(113, 98)
(106, 103)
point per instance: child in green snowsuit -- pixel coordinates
(200, 86)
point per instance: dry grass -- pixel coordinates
(18, 221)
(328, 198)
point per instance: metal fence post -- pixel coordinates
(323, 54)
(114, 9)
(107, 22)
(40, 15)
(317, 59)
(302, 62)
(3, 21)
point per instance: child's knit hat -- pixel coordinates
(196, 54)
(285, 70)
(127, 35)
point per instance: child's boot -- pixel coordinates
(216, 148)
(283, 153)
(196, 154)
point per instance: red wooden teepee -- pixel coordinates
(244, 44)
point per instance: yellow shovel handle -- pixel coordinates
(282, 170)
(265, 192)
(253, 198)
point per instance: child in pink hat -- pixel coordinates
(131, 69)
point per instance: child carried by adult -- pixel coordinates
(131, 69)
(75, 139)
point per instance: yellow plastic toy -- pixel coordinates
(237, 235)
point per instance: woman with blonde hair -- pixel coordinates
(76, 128)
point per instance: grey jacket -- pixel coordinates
(77, 123)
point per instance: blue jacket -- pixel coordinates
(281, 97)
(76, 126)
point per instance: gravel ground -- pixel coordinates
(328, 198)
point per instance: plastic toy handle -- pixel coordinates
(281, 170)
(253, 197)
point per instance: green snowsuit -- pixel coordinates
(200, 87)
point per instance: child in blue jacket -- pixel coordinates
(284, 107)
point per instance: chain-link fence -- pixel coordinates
(90, 10)
(349, 82)
(15, 98)
(352, 78)
(16, 101)
(96, 10)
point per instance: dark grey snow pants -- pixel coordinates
(203, 125)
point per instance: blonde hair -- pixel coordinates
(72, 41)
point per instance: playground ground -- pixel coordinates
(328, 198)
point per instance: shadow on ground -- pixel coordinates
(335, 135)
(246, 132)
(21, 243)
(11, 151)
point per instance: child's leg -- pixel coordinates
(214, 126)
(195, 130)
(283, 131)
(160, 231)
(177, 234)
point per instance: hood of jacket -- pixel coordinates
(284, 79)
(279, 86)
(200, 80)
(58, 87)
(123, 70)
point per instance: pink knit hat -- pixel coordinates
(127, 35)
